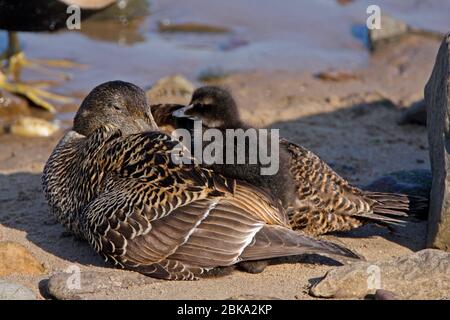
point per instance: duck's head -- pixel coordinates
(115, 103)
(214, 106)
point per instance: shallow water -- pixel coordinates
(264, 35)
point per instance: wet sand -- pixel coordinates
(350, 124)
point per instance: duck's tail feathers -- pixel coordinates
(393, 208)
(276, 241)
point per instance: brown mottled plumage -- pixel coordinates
(113, 182)
(323, 201)
(162, 113)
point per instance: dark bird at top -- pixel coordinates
(323, 201)
(37, 16)
(112, 180)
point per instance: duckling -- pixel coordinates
(324, 202)
(113, 181)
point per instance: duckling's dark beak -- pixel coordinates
(181, 113)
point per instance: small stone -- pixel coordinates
(391, 29)
(421, 275)
(11, 105)
(16, 259)
(437, 97)
(167, 26)
(13, 291)
(212, 73)
(73, 286)
(173, 89)
(336, 75)
(33, 127)
(381, 294)
(415, 114)
(252, 297)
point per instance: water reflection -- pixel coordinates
(119, 24)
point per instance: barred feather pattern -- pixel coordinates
(142, 211)
(326, 202)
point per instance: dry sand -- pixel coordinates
(348, 123)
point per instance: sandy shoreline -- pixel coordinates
(350, 124)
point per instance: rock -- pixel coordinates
(421, 275)
(212, 73)
(75, 286)
(415, 114)
(391, 29)
(16, 259)
(381, 294)
(173, 89)
(11, 108)
(252, 297)
(33, 127)
(411, 182)
(437, 97)
(167, 26)
(13, 291)
(12, 105)
(336, 75)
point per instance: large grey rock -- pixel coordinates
(78, 286)
(14, 291)
(437, 97)
(422, 275)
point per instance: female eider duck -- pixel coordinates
(316, 199)
(112, 180)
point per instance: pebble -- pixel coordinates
(14, 291)
(33, 127)
(16, 259)
(167, 26)
(421, 275)
(79, 285)
(172, 89)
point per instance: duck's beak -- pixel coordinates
(181, 113)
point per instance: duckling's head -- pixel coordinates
(214, 106)
(117, 103)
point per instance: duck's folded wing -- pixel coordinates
(275, 241)
(232, 232)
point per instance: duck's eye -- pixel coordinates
(116, 107)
